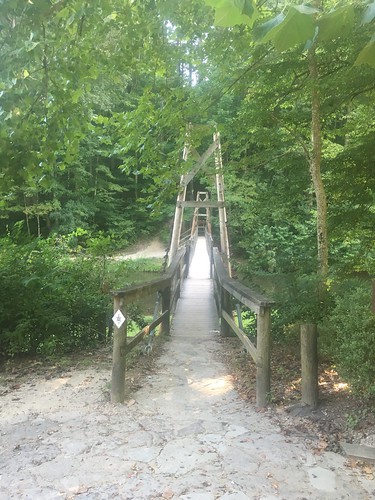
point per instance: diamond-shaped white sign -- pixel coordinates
(118, 318)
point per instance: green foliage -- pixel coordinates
(232, 12)
(348, 335)
(301, 299)
(52, 301)
(294, 28)
(353, 420)
(367, 54)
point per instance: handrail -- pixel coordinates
(227, 288)
(249, 298)
(169, 287)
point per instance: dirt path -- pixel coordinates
(154, 248)
(186, 434)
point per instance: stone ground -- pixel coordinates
(186, 434)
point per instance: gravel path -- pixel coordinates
(186, 434)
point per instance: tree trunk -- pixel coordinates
(309, 364)
(27, 217)
(315, 167)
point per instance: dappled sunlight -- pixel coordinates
(55, 384)
(293, 388)
(213, 386)
(330, 379)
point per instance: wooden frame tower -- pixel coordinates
(201, 201)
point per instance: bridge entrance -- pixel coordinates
(210, 300)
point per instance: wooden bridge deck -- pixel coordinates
(196, 315)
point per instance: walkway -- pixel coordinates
(186, 435)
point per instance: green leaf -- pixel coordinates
(111, 17)
(231, 12)
(30, 45)
(249, 8)
(263, 29)
(295, 29)
(76, 95)
(336, 23)
(369, 14)
(367, 54)
(305, 9)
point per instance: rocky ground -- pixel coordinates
(62, 438)
(340, 417)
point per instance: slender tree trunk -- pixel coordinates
(315, 167)
(38, 222)
(27, 217)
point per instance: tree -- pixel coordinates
(302, 25)
(74, 75)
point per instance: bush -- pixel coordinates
(53, 300)
(348, 335)
(297, 300)
(49, 301)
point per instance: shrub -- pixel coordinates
(348, 335)
(53, 300)
(49, 301)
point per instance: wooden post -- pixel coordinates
(187, 260)
(309, 364)
(166, 306)
(263, 356)
(177, 223)
(226, 305)
(224, 240)
(118, 359)
(211, 260)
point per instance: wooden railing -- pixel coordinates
(169, 287)
(228, 290)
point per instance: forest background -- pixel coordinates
(94, 102)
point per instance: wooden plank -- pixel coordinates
(176, 295)
(246, 296)
(145, 331)
(249, 346)
(166, 306)
(131, 293)
(136, 340)
(177, 224)
(251, 299)
(220, 270)
(201, 204)
(136, 291)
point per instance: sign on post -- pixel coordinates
(118, 318)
